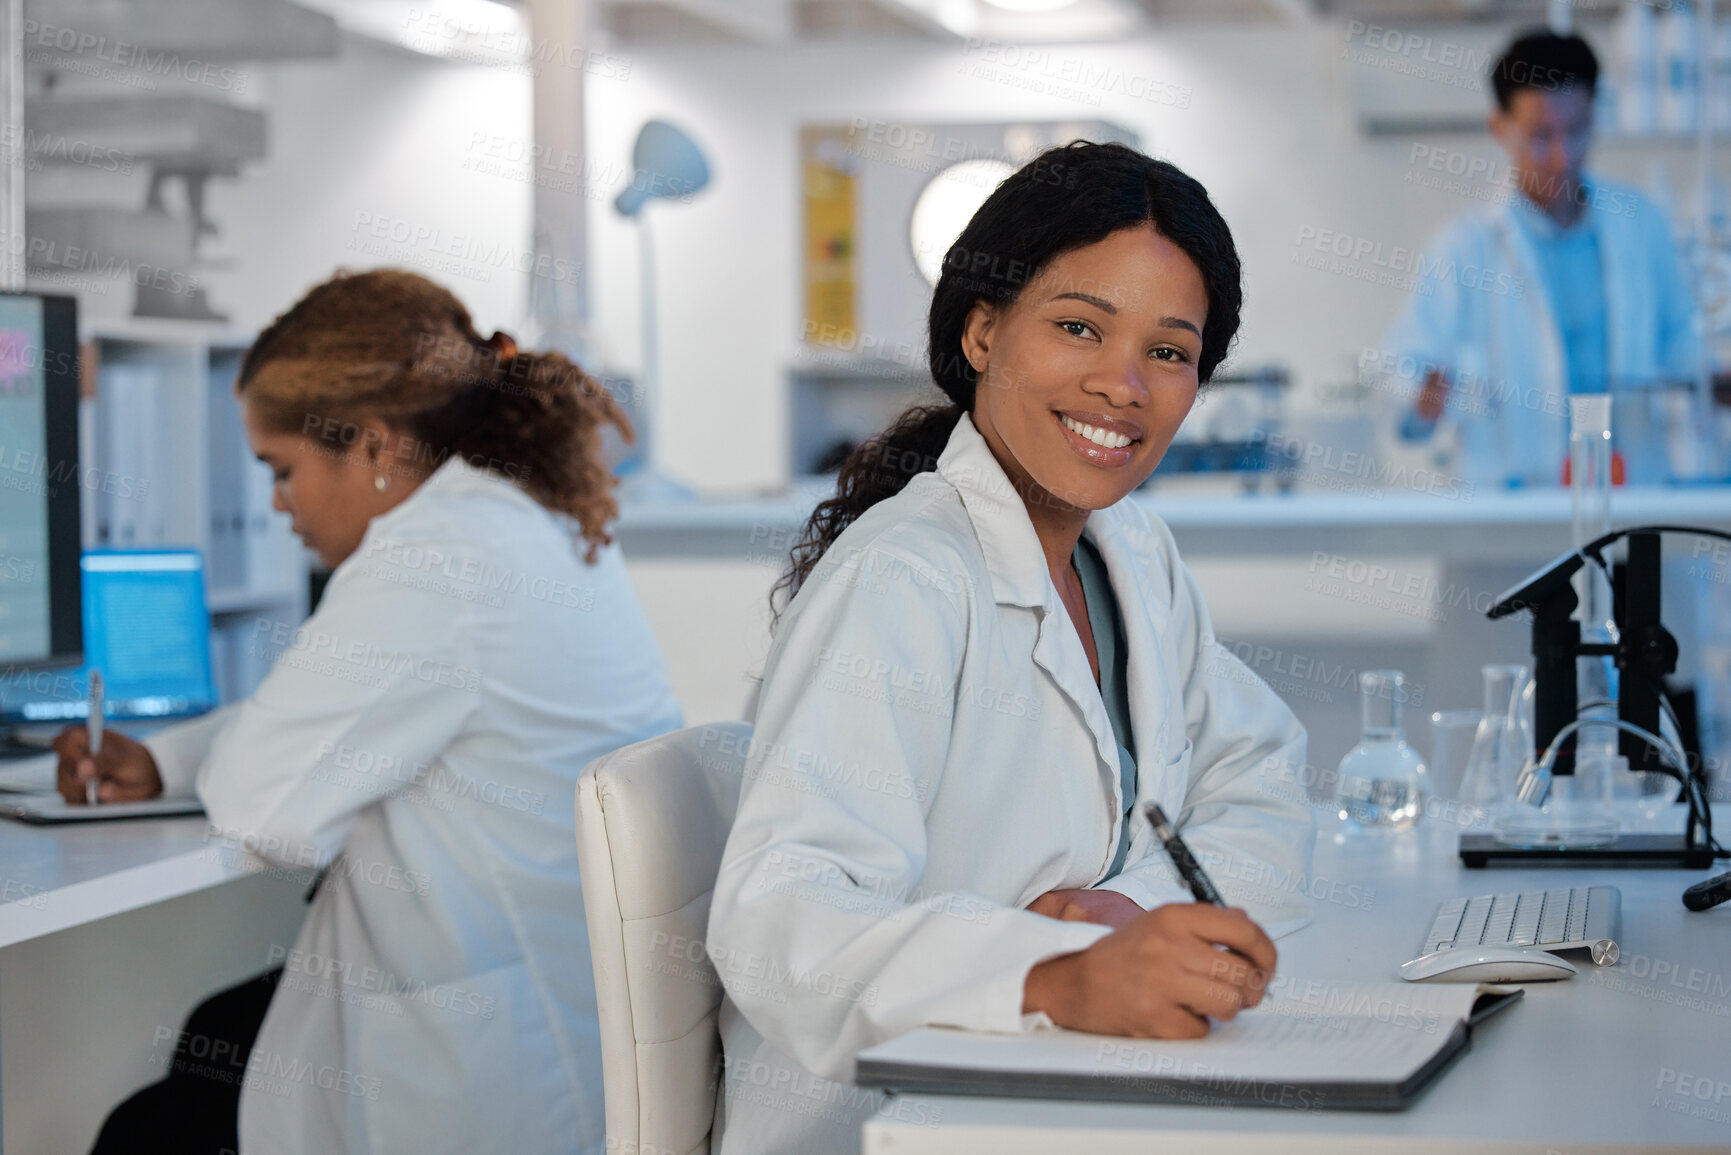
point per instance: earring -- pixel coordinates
(381, 483)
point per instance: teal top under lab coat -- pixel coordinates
(1114, 657)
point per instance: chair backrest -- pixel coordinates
(652, 820)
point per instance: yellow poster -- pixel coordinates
(830, 267)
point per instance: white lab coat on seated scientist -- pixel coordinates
(1484, 314)
(931, 753)
(423, 733)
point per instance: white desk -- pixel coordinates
(109, 934)
(1591, 1064)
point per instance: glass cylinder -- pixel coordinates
(1602, 769)
(1382, 782)
(1590, 490)
(1590, 500)
(1577, 812)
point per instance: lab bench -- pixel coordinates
(1306, 587)
(1623, 1058)
(1518, 525)
(110, 933)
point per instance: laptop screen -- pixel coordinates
(147, 629)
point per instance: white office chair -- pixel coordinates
(652, 819)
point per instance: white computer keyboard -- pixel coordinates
(1586, 917)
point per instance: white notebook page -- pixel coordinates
(1308, 1031)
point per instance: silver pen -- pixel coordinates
(93, 731)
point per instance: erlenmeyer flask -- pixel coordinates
(1382, 784)
(1504, 740)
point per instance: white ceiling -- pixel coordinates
(1086, 19)
(785, 21)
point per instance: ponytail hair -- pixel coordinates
(1064, 199)
(393, 346)
(878, 469)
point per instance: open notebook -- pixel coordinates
(1311, 1045)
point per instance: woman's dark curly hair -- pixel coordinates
(394, 346)
(1064, 199)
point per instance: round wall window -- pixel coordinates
(946, 205)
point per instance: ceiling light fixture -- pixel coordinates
(1031, 5)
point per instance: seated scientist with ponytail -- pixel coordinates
(478, 643)
(992, 659)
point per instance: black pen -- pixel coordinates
(1186, 863)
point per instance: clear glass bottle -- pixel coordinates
(1504, 740)
(1383, 784)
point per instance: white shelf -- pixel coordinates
(162, 331)
(240, 601)
(1473, 124)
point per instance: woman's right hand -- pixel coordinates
(124, 770)
(1160, 976)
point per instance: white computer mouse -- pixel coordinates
(1486, 964)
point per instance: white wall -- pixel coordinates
(378, 136)
(1266, 129)
(1269, 128)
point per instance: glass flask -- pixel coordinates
(1383, 784)
(1504, 740)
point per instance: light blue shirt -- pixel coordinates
(1575, 280)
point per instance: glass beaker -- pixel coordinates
(1641, 433)
(1504, 740)
(1382, 780)
(1451, 743)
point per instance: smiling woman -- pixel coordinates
(990, 663)
(1094, 282)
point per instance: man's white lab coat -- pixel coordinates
(931, 754)
(1481, 311)
(426, 727)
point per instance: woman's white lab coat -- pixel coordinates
(931, 754)
(1482, 312)
(423, 732)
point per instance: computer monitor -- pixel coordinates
(41, 600)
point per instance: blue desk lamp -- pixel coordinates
(668, 166)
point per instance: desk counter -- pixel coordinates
(1614, 1059)
(110, 932)
(60, 877)
(1380, 521)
